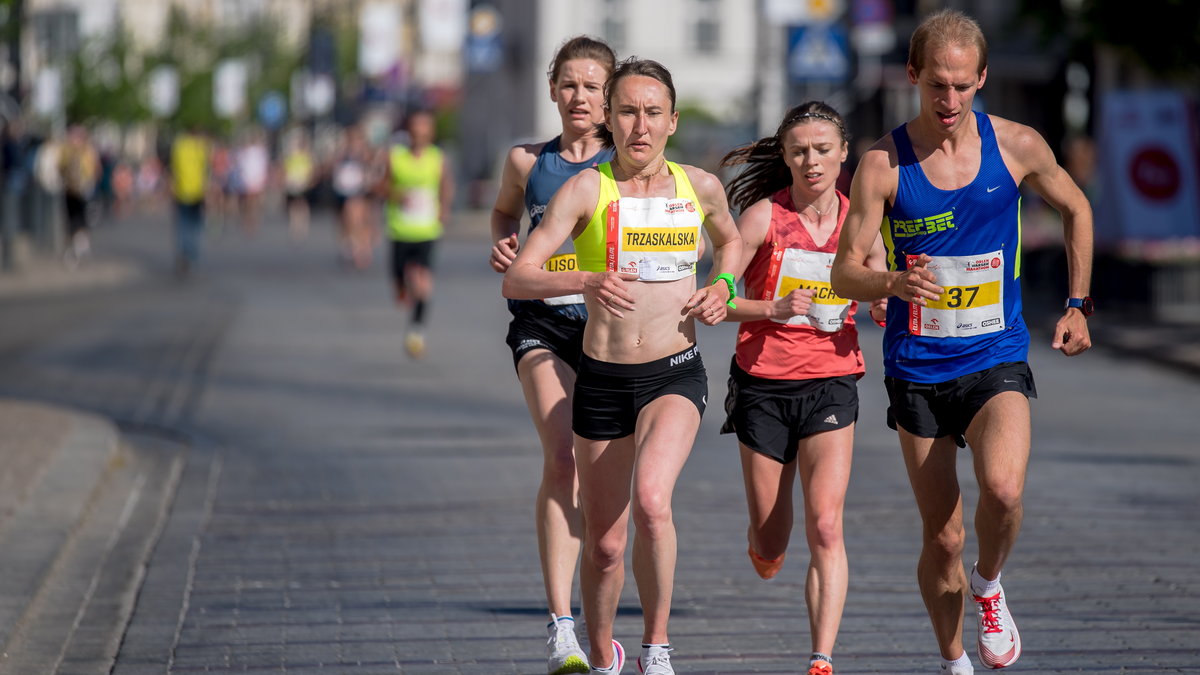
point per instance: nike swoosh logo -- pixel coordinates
(993, 189)
(1010, 382)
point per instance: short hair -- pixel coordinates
(944, 28)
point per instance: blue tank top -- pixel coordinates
(550, 171)
(974, 234)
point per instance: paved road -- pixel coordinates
(344, 509)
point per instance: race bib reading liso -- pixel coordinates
(796, 268)
(563, 262)
(656, 238)
(972, 302)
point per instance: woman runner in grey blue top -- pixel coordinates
(546, 336)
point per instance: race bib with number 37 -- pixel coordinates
(972, 302)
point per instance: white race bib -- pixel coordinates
(655, 238)
(563, 262)
(420, 204)
(796, 268)
(972, 302)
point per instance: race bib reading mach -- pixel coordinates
(795, 268)
(972, 302)
(655, 238)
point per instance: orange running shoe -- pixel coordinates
(766, 569)
(820, 668)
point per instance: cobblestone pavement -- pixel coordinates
(345, 509)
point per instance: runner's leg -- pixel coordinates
(547, 382)
(605, 470)
(999, 438)
(769, 487)
(940, 575)
(666, 430)
(824, 461)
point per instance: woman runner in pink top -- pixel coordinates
(793, 397)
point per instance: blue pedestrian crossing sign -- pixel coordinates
(818, 52)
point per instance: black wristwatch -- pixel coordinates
(1083, 304)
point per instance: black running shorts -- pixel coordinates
(538, 326)
(771, 417)
(947, 408)
(405, 253)
(609, 396)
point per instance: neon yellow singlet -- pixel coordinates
(599, 246)
(415, 218)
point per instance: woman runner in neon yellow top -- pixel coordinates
(641, 386)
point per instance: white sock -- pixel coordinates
(960, 662)
(983, 587)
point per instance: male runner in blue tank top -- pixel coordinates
(945, 187)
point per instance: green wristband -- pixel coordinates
(728, 279)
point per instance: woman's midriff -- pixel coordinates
(657, 328)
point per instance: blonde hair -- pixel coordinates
(945, 28)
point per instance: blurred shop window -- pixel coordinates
(706, 31)
(612, 26)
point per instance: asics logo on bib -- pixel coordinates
(919, 226)
(656, 239)
(685, 356)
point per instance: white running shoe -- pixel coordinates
(958, 670)
(655, 660)
(999, 641)
(618, 661)
(563, 654)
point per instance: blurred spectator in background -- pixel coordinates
(222, 190)
(79, 169)
(1080, 162)
(253, 166)
(355, 169)
(189, 186)
(149, 180)
(299, 179)
(123, 185)
(16, 162)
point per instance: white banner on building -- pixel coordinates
(379, 29)
(229, 88)
(784, 12)
(443, 25)
(1148, 157)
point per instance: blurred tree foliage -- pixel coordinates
(105, 82)
(109, 76)
(1161, 35)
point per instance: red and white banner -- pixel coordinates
(1148, 156)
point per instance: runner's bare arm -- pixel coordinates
(510, 205)
(1059, 190)
(753, 225)
(877, 260)
(566, 216)
(874, 185)
(708, 304)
